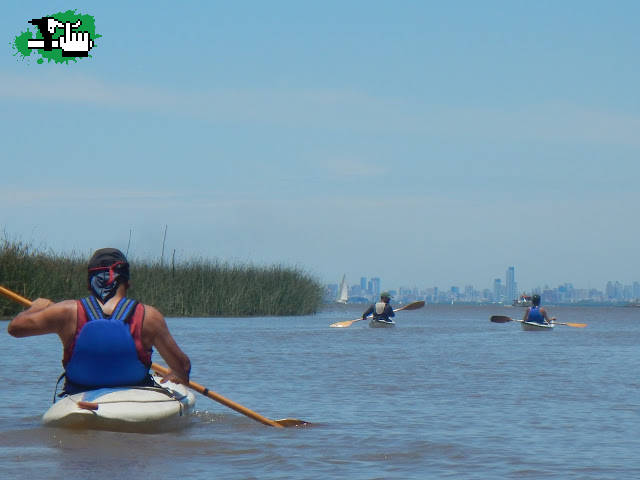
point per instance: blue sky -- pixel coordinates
(427, 143)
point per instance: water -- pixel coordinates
(446, 394)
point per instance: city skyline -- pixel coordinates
(499, 292)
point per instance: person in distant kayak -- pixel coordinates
(536, 313)
(107, 338)
(381, 310)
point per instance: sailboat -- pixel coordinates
(343, 292)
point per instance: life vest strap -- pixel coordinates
(123, 311)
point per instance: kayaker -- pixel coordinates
(107, 338)
(536, 313)
(381, 310)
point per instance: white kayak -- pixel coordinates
(124, 409)
(535, 327)
(381, 323)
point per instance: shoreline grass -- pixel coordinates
(196, 288)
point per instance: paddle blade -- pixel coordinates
(577, 325)
(500, 319)
(346, 323)
(293, 422)
(413, 306)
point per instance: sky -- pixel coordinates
(427, 143)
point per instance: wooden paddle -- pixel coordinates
(503, 319)
(348, 323)
(285, 422)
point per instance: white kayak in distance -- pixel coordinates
(535, 326)
(124, 409)
(381, 323)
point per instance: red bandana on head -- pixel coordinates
(104, 281)
(108, 269)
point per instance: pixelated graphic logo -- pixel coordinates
(59, 37)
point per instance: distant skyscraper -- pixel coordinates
(363, 284)
(375, 286)
(511, 292)
(497, 290)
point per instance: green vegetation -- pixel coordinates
(198, 288)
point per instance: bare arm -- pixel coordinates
(155, 332)
(45, 317)
(546, 317)
(526, 314)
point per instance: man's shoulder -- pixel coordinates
(70, 305)
(151, 313)
(68, 302)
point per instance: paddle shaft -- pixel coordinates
(287, 422)
(15, 297)
(223, 400)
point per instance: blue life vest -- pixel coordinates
(535, 316)
(105, 353)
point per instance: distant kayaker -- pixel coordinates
(536, 313)
(381, 310)
(107, 337)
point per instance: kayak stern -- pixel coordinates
(124, 409)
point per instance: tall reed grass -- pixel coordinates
(196, 288)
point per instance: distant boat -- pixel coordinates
(343, 292)
(522, 301)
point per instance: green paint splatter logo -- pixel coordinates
(59, 37)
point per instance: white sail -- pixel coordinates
(343, 292)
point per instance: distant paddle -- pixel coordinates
(285, 422)
(348, 323)
(577, 325)
(500, 319)
(503, 319)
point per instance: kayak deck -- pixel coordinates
(381, 324)
(124, 409)
(534, 327)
